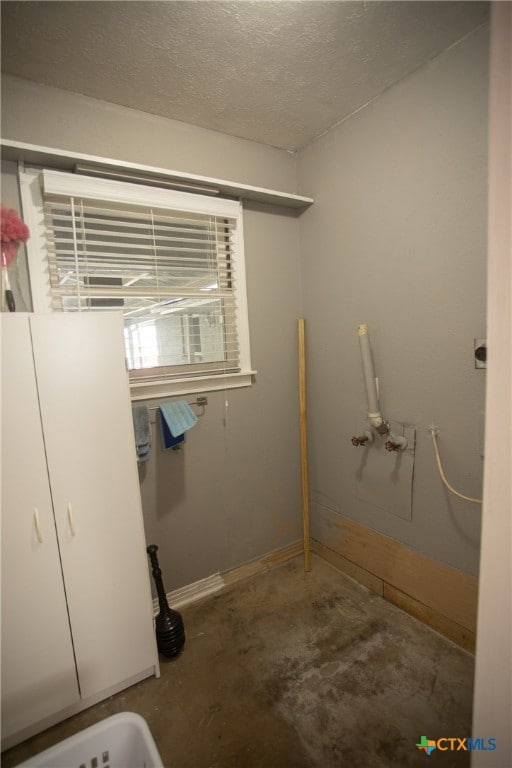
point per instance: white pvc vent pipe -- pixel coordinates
(375, 417)
(374, 414)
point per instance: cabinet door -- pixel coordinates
(38, 667)
(88, 428)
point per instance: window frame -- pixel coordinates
(34, 180)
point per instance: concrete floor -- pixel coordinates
(295, 670)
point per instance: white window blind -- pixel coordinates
(171, 262)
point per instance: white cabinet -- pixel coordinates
(38, 667)
(76, 600)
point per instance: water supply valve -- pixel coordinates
(367, 437)
(396, 444)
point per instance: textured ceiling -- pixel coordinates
(281, 73)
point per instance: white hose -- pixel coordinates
(443, 476)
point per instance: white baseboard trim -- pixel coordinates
(192, 592)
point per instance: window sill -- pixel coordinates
(158, 389)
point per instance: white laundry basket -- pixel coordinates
(120, 741)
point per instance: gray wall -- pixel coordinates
(233, 493)
(53, 118)
(397, 239)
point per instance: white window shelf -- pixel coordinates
(32, 154)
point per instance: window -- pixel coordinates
(171, 262)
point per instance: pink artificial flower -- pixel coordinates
(13, 231)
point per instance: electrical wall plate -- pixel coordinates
(480, 352)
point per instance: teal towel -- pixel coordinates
(142, 429)
(178, 416)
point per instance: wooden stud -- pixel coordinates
(304, 445)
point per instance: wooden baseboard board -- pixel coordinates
(460, 635)
(366, 578)
(436, 594)
(439, 596)
(268, 561)
(211, 584)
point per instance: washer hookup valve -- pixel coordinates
(367, 437)
(397, 444)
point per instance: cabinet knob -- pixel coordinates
(70, 519)
(37, 525)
